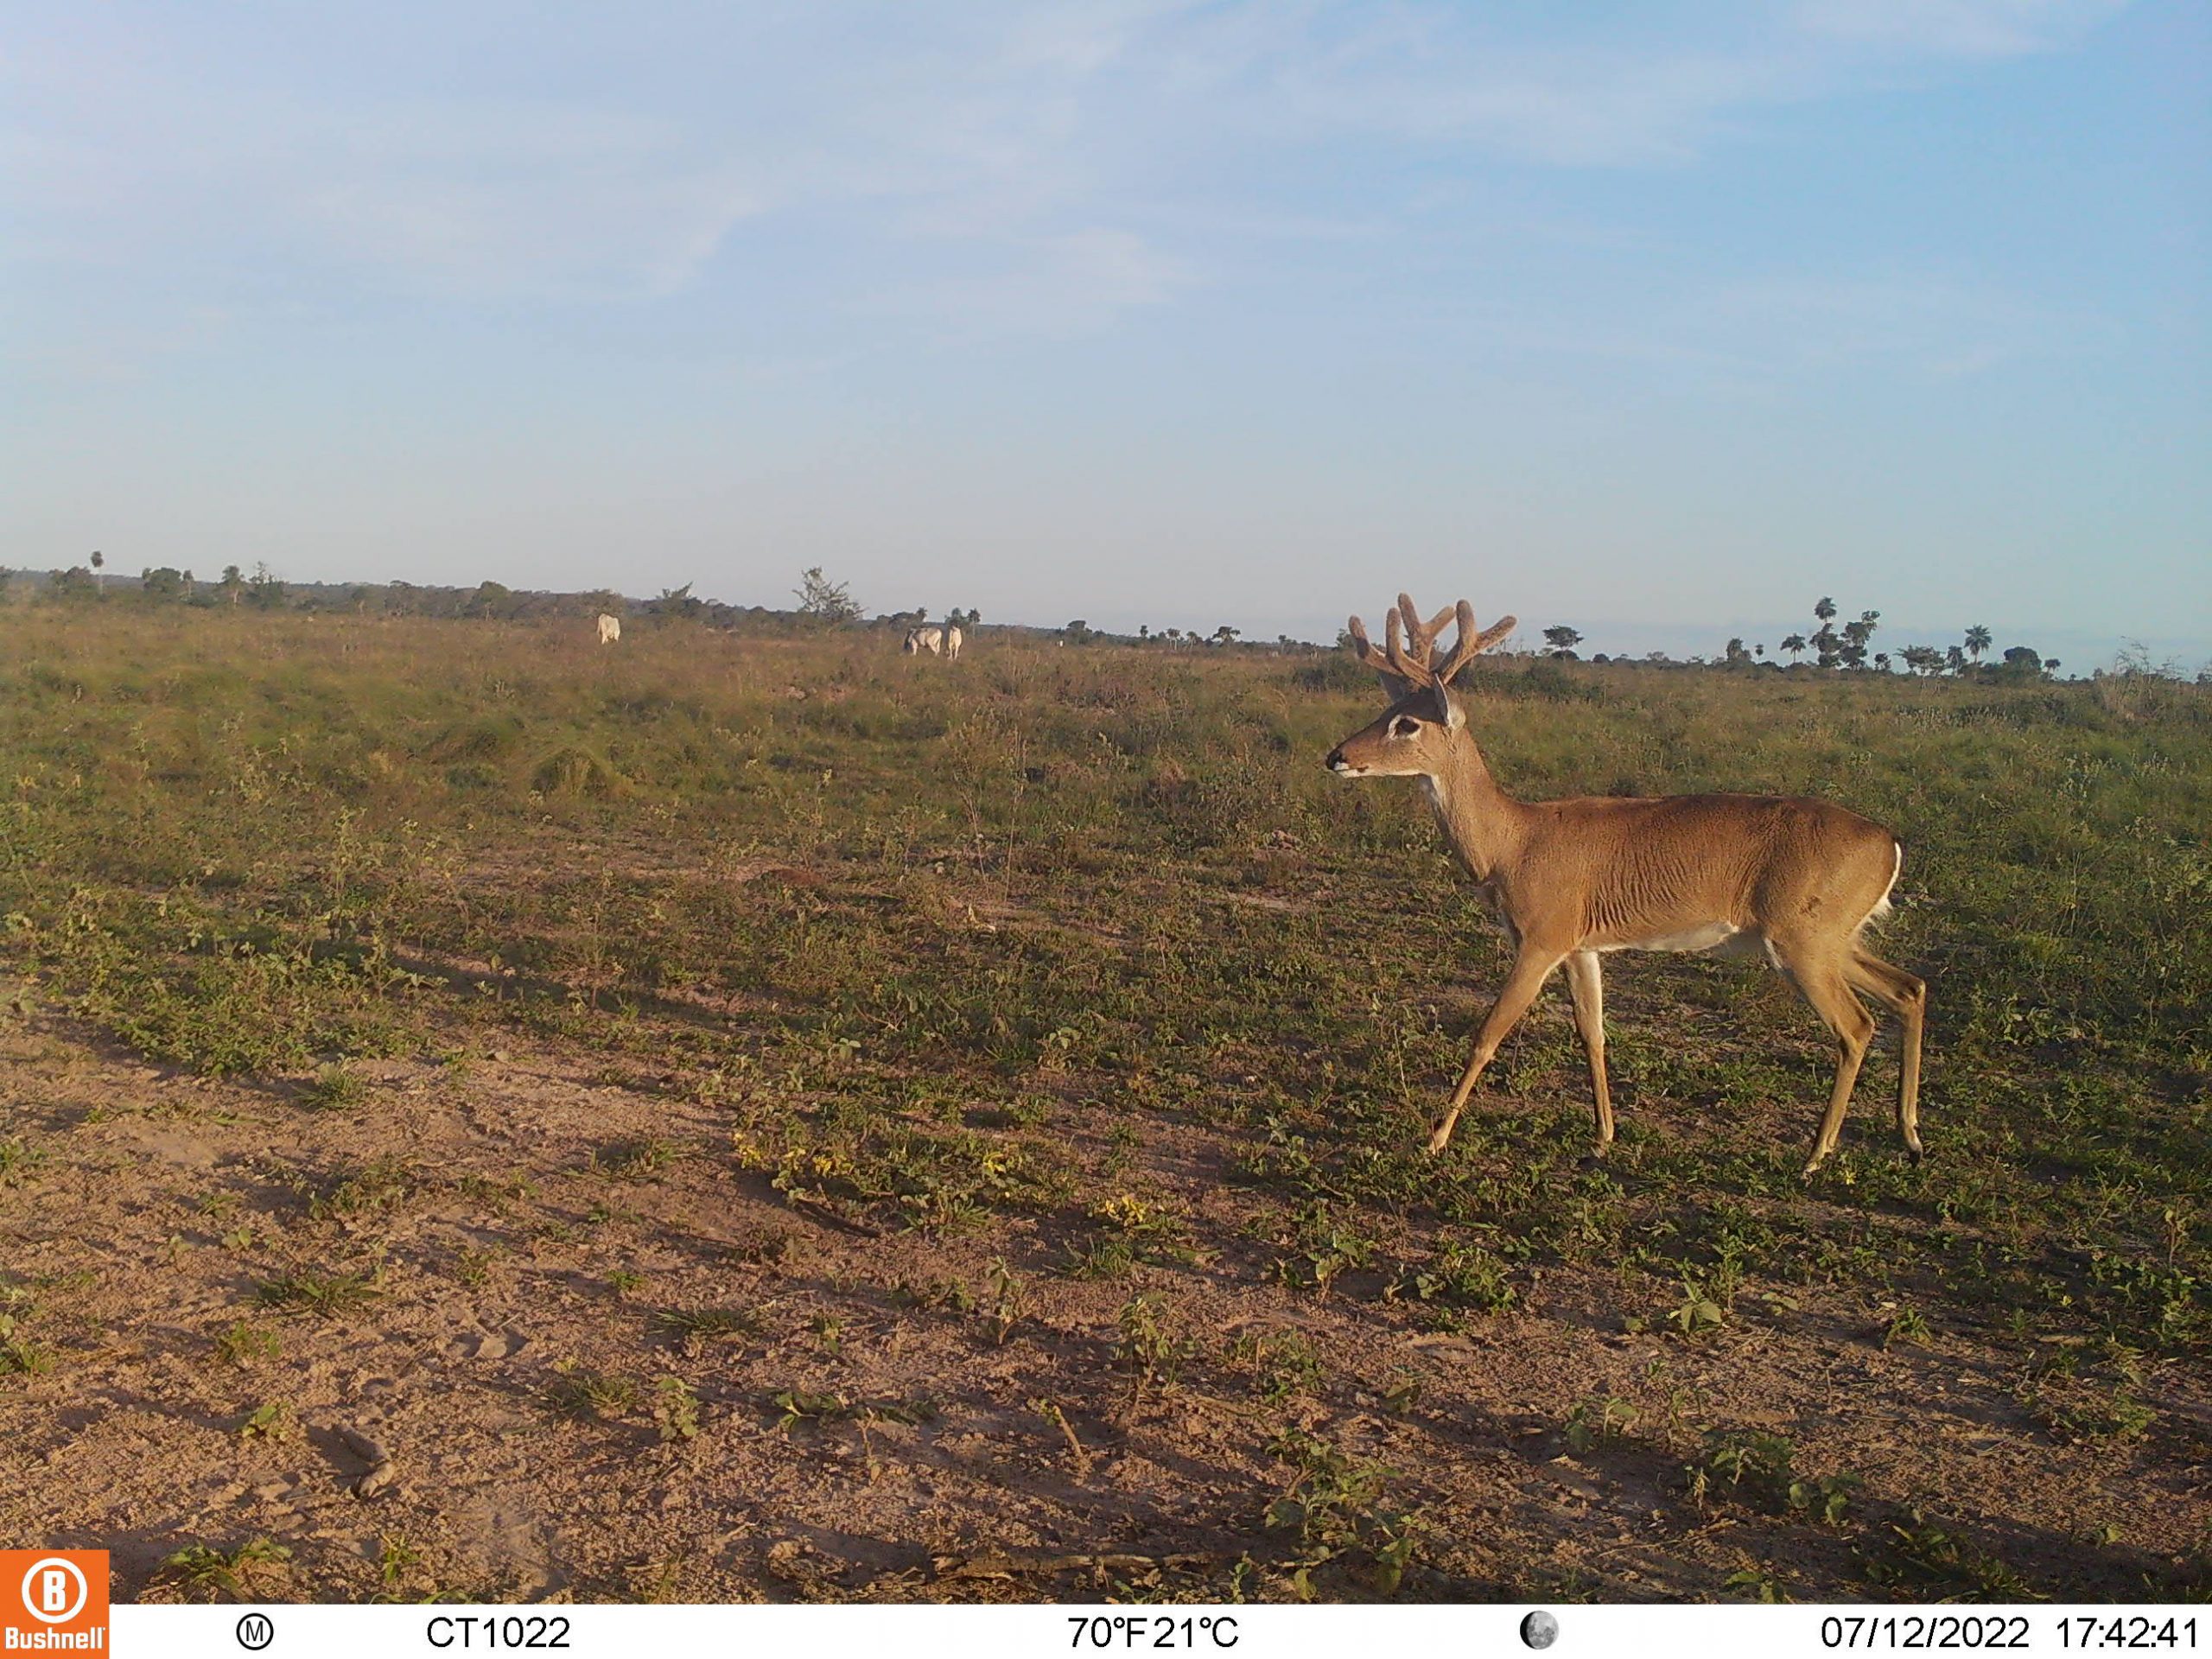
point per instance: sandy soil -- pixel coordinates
(483, 1423)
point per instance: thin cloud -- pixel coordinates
(1934, 324)
(542, 201)
(1063, 148)
(1957, 28)
(1074, 283)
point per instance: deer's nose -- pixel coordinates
(1336, 759)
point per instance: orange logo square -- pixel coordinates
(53, 1601)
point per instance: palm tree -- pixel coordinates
(99, 559)
(1855, 636)
(1795, 645)
(1978, 641)
(1824, 610)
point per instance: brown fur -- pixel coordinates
(1794, 877)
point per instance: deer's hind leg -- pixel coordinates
(1585, 984)
(1827, 985)
(1905, 996)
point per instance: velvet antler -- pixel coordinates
(1418, 661)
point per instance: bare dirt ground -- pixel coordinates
(478, 1409)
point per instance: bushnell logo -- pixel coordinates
(54, 1600)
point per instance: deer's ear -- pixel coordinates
(1448, 705)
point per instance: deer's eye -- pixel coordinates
(1404, 726)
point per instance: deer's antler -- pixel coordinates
(1417, 661)
(1393, 660)
(1410, 662)
(1470, 644)
(1362, 646)
(1421, 636)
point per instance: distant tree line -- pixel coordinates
(1850, 647)
(826, 603)
(823, 602)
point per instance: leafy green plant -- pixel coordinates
(1148, 1346)
(1906, 1326)
(1921, 1553)
(1327, 1247)
(1614, 1416)
(1756, 1584)
(1334, 1508)
(676, 1410)
(805, 1406)
(1465, 1275)
(1109, 1256)
(1759, 1467)
(637, 1161)
(243, 1344)
(17, 1159)
(397, 1562)
(20, 1356)
(318, 1293)
(335, 1088)
(1006, 1292)
(379, 1186)
(581, 1392)
(694, 1328)
(1284, 1363)
(205, 1572)
(271, 1422)
(1698, 1313)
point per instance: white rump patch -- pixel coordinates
(1881, 905)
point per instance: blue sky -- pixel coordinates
(1658, 320)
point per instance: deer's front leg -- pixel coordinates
(1530, 970)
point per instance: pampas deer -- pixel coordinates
(1792, 879)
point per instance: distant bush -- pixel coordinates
(1542, 680)
(1336, 672)
(573, 769)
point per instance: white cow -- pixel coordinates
(921, 640)
(951, 644)
(610, 629)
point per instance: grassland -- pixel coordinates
(728, 1117)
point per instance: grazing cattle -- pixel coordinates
(951, 644)
(921, 640)
(610, 629)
